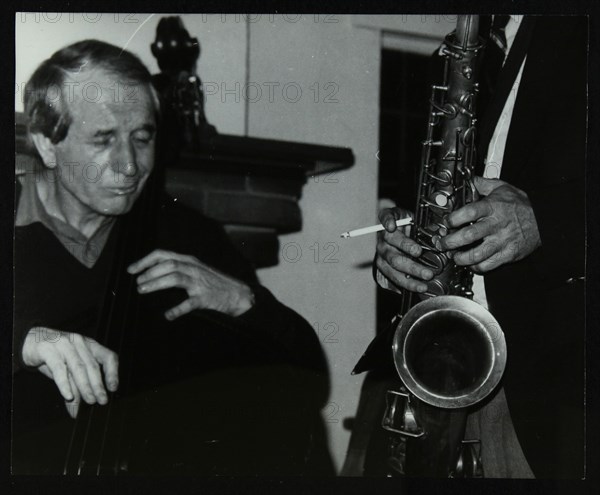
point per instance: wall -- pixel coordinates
(222, 41)
(323, 277)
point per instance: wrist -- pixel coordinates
(244, 300)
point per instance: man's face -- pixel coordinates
(103, 163)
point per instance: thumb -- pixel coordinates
(486, 186)
(388, 218)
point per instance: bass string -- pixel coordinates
(129, 322)
(124, 240)
(79, 419)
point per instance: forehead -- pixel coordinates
(96, 96)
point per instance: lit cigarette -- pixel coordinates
(374, 228)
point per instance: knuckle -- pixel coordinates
(472, 211)
(398, 262)
(412, 248)
(487, 207)
(416, 270)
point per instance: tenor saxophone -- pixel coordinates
(449, 351)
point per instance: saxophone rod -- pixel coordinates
(374, 228)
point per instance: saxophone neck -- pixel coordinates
(467, 30)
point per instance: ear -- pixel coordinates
(45, 148)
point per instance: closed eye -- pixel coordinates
(144, 135)
(102, 142)
(103, 138)
(144, 139)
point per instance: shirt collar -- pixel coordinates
(31, 209)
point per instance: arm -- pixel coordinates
(220, 284)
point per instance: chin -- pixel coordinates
(117, 206)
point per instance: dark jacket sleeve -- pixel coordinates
(21, 323)
(556, 188)
(191, 233)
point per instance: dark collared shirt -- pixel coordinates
(31, 209)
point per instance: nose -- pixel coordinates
(125, 161)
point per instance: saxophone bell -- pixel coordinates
(449, 351)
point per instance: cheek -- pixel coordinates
(146, 161)
(93, 175)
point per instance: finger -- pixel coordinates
(151, 259)
(468, 213)
(402, 242)
(73, 405)
(477, 254)
(93, 369)
(185, 307)
(465, 236)
(404, 264)
(58, 371)
(500, 257)
(161, 268)
(398, 278)
(388, 218)
(486, 186)
(78, 370)
(168, 281)
(486, 265)
(110, 364)
(384, 283)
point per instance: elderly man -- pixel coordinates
(220, 345)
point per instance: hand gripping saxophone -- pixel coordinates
(449, 351)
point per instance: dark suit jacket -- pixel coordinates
(539, 301)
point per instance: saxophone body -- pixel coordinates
(449, 351)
